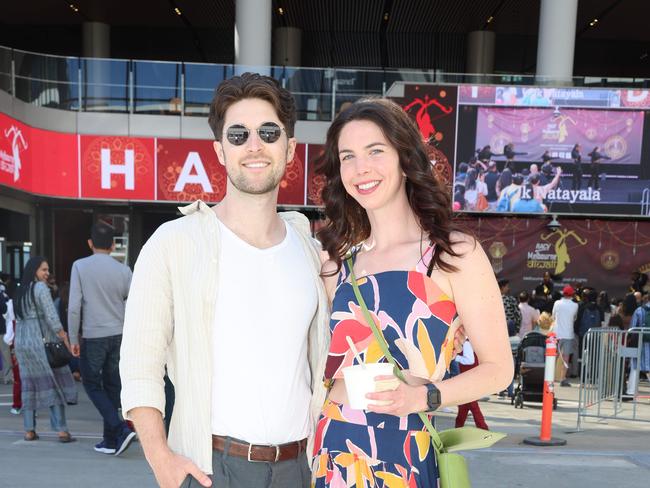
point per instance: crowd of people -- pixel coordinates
(85, 316)
(570, 312)
(480, 186)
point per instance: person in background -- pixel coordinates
(606, 307)
(510, 307)
(475, 192)
(527, 203)
(9, 321)
(36, 322)
(594, 168)
(565, 312)
(544, 323)
(486, 154)
(99, 286)
(491, 180)
(467, 361)
(529, 315)
(640, 318)
(576, 168)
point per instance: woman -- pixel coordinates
(421, 279)
(544, 323)
(42, 386)
(475, 191)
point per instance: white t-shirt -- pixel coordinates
(261, 378)
(565, 312)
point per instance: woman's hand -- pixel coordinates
(404, 400)
(64, 337)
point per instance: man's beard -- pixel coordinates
(245, 185)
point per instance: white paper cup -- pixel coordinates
(359, 381)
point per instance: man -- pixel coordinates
(542, 190)
(546, 157)
(526, 203)
(491, 179)
(99, 286)
(529, 315)
(230, 299)
(511, 308)
(576, 170)
(565, 312)
(640, 318)
(594, 168)
(544, 293)
(486, 154)
(510, 154)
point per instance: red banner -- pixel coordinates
(15, 153)
(117, 168)
(597, 253)
(189, 170)
(128, 168)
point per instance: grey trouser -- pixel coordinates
(237, 472)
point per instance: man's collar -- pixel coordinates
(197, 206)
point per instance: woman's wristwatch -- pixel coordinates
(433, 397)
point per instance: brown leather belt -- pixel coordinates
(258, 453)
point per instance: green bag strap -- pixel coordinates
(437, 442)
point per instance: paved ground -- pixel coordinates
(604, 454)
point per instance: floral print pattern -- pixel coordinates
(363, 449)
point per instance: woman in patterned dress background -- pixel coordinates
(420, 277)
(41, 385)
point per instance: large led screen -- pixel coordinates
(557, 150)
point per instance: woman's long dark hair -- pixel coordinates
(347, 222)
(470, 179)
(25, 292)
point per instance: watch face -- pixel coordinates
(433, 397)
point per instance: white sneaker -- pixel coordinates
(15, 411)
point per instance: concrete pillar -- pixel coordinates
(556, 41)
(287, 43)
(253, 35)
(480, 52)
(96, 38)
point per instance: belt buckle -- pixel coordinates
(250, 447)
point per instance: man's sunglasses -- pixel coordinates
(269, 132)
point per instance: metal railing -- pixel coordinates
(611, 358)
(158, 87)
(645, 202)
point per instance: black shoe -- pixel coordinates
(565, 383)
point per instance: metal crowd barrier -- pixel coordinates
(607, 358)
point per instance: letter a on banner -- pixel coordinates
(193, 162)
(127, 169)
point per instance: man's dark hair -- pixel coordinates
(102, 235)
(524, 297)
(251, 85)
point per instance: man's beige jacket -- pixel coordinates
(169, 319)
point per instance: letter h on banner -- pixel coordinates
(127, 169)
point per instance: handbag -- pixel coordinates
(452, 467)
(57, 353)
